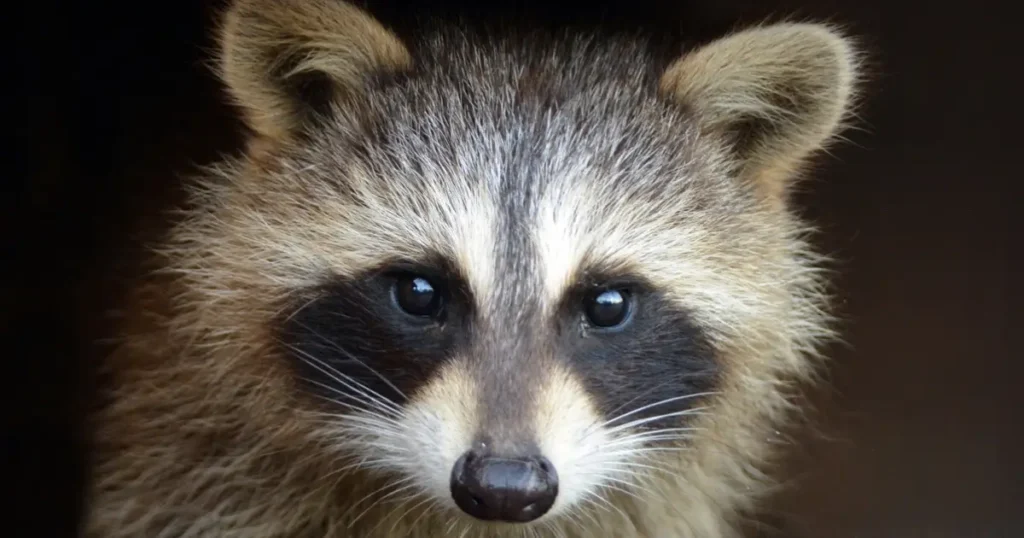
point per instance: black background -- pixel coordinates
(920, 436)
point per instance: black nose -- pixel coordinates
(504, 489)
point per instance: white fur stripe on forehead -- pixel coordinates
(773, 95)
(473, 233)
(300, 241)
(458, 223)
(707, 263)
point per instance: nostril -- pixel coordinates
(504, 489)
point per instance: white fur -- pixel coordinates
(206, 435)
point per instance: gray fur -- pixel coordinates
(529, 164)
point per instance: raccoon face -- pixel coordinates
(508, 403)
(514, 277)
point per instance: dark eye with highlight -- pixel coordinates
(417, 296)
(608, 308)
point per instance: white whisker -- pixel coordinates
(362, 464)
(346, 380)
(648, 450)
(621, 490)
(354, 358)
(398, 519)
(653, 419)
(609, 504)
(655, 404)
(372, 493)
(662, 433)
(432, 505)
(375, 420)
(381, 500)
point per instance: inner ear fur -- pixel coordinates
(286, 61)
(778, 93)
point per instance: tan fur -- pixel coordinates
(326, 37)
(765, 336)
(794, 80)
(206, 435)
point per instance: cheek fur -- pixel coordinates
(569, 433)
(594, 455)
(436, 428)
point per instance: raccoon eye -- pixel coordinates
(608, 308)
(417, 296)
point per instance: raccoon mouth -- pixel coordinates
(503, 489)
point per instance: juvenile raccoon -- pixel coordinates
(477, 287)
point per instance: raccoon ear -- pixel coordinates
(285, 61)
(778, 93)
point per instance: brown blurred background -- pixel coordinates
(922, 433)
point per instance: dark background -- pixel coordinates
(922, 432)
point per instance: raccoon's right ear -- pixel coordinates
(286, 62)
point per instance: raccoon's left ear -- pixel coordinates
(286, 61)
(778, 93)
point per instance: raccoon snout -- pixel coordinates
(492, 488)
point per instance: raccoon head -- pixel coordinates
(514, 278)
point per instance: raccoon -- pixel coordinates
(460, 285)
